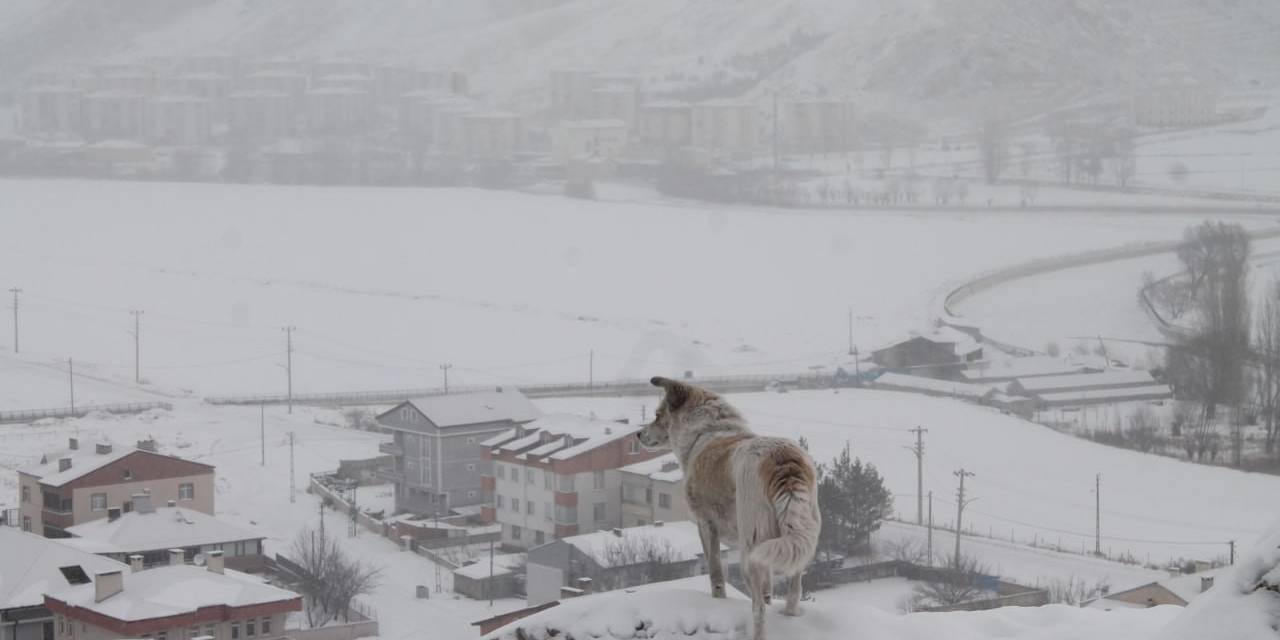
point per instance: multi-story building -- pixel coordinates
(818, 125)
(114, 115)
(570, 92)
(653, 491)
(490, 136)
(82, 484)
(437, 459)
(339, 110)
(261, 115)
(29, 566)
(153, 532)
(173, 602)
(551, 479)
(179, 120)
(600, 139)
(50, 109)
(725, 127)
(666, 126)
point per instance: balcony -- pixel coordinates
(390, 448)
(390, 475)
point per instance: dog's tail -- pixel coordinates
(791, 488)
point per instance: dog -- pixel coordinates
(761, 491)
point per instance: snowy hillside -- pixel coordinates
(707, 49)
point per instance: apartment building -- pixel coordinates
(81, 484)
(653, 491)
(173, 602)
(551, 478)
(437, 459)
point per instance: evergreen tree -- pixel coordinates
(853, 500)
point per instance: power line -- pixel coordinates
(137, 322)
(288, 332)
(15, 291)
(445, 367)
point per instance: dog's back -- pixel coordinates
(777, 503)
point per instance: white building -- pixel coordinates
(653, 491)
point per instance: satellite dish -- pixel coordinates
(198, 560)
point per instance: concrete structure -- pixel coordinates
(172, 602)
(615, 559)
(482, 580)
(653, 491)
(617, 101)
(31, 565)
(214, 88)
(818, 125)
(666, 126)
(437, 459)
(292, 84)
(941, 352)
(724, 127)
(153, 532)
(594, 139)
(489, 136)
(82, 483)
(551, 479)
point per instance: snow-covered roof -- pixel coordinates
(681, 538)
(562, 436)
(503, 564)
(84, 460)
(1101, 395)
(174, 590)
(961, 342)
(29, 567)
(474, 408)
(166, 528)
(932, 385)
(1112, 378)
(1243, 602)
(1029, 367)
(665, 468)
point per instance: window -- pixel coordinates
(406, 414)
(26, 493)
(528, 476)
(500, 472)
(633, 445)
(539, 537)
(162, 635)
(250, 628)
(547, 480)
(597, 511)
(597, 480)
(664, 500)
(565, 483)
(266, 626)
(211, 630)
(499, 502)
(239, 551)
(528, 507)
(515, 505)
(98, 502)
(471, 467)
(128, 474)
(471, 494)
(471, 440)
(26, 523)
(515, 532)
(235, 631)
(548, 514)
(648, 495)
(193, 632)
(186, 491)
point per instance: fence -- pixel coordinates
(340, 631)
(722, 384)
(29, 415)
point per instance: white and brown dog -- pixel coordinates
(762, 491)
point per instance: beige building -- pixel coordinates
(604, 139)
(724, 127)
(212, 601)
(551, 477)
(81, 484)
(653, 491)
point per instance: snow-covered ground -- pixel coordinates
(384, 285)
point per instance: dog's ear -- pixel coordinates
(678, 392)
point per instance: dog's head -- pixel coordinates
(679, 401)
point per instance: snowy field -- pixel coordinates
(385, 285)
(1032, 484)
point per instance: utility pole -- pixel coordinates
(1097, 515)
(918, 449)
(71, 379)
(775, 134)
(262, 431)
(288, 333)
(850, 330)
(490, 583)
(591, 373)
(15, 291)
(137, 326)
(961, 503)
(353, 527)
(930, 538)
(445, 368)
(293, 483)
(1232, 544)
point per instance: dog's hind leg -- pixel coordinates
(794, 587)
(757, 583)
(711, 551)
(768, 586)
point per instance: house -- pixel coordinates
(723, 127)
(617, 101)
(1177, 590)
(934, 387)
(588, 139)
(653, 491)
(437, 461)
(1116, 385)
(176, 601)
(614, 559)
(551, 477)
(942, 352)
(484, 579)
(30, 566)
(82, 484)
(151, 532)
(1173, 96)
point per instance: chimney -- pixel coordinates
(107, 584)
(135, 563)
(1206, 583)
(617, 532)
(147, 445)
(142, 503)
(102, 448)
(213, 561)
(73, 443)
(177, 557)
(585, 585)
(658, 523)
(113, 514)
(64, 464)
(499, 389)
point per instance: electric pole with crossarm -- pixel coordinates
(961, 503)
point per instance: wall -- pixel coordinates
(525, 492)
(32, 507)
(347, 631)
(220, 630)
(161, 492)
(542, 584)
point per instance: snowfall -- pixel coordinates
(517, 288)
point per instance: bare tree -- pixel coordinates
(646, 559)
(1143, 430)
(1075, 591)
(1125, 165)
(329, 579)
(948, 587)
(1267, 343)
(992, 130)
